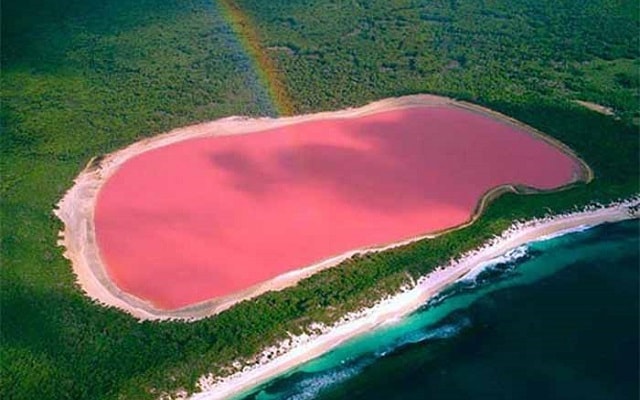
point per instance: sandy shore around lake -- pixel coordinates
(278, 359)
(77, 207)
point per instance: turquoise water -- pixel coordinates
(558, 319)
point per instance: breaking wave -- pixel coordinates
(505, 261)
(555, 235)
(308, 385)
(309, 388)
(491, 271)
(449, 328)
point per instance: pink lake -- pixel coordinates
(205, 218)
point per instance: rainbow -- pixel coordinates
(267, 71)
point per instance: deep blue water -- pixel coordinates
(558, 320)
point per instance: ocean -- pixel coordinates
(555, 319)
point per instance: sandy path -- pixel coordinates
(77, 207)
(596, 107)
(408, 301)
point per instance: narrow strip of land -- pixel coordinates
(302, 349)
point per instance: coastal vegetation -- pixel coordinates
(82, 79)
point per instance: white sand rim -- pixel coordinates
(77, 207)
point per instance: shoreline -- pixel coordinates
(77, 207)
(291, 353)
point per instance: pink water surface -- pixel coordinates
(205, 218)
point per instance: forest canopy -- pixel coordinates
(84, 78)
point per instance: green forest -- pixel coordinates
(84, 78)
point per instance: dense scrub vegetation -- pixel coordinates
(85, 78)
(353, 52)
